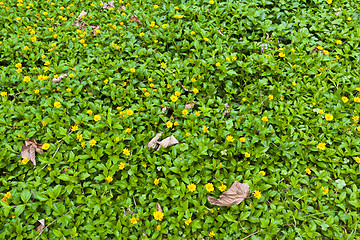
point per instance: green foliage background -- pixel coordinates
(69, 186)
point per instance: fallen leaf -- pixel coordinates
(56, 24)
(95, 28)
(122, 8)
(135, 19)
(165, 109)
(235, 195)
(129, 210)
(159, 207)
(83, 13)
(81, 25)
(154, 142)
(41, 227)
(226, 109)
(189, 105)
(59, 78)
(110, 4)
(29, 148)
(169, 141)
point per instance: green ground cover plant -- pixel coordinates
(133, 119)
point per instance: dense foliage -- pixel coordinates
(276, 90)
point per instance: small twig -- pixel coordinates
(339, 45)
(250, 235)
(220, 33)
(58, 148)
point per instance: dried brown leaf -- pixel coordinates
(235, 195)
(158, 207)
(129, 210)
(110, 4)
(122, 8)
(169, 141)
(81, 25)
(154, 142)
(59, 78)
(41, 227)
(135, 19)
(226, 109)
(56, 24)
(95, 28)
(83, 13)
(29, 149)
(189, 105)
(165, 109)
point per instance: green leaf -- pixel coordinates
(25, 195)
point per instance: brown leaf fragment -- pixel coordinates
(186, 89)
(56, 24)
(158, 207)
(169, 141)
(189, 105)
(93, 32)
(165, 109)
(59, 78)
(29, 149)
(129, 210)
(83, 13)
(226, 109)
(41, 227)
(81, 25)
(122, 8)
(154, 142)
(315, 49)
(110, 4)
(135, 19)
(235, 195)
(124, 212)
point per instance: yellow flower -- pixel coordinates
(326, 52)
(132, 70)
(3, 94)
(8, 195)
(211, 234)
(89, 112)
(177, 93)
(329, 117)
(121, 166)
(158, 215)
(197, 113)
(355, 118)
(187, 222)
(282, 54)
(46, 146)
(68, 89)
(320, 47)
(211, 2)
(192, 32)
(247, 155)
(262, 173)
(349, 18)
(345, 99)
(156, 6)
(18, 65)
(164, 25)
(356, 99)
(217, 64)
(205, 129)
(129, 112)
(209, 187)
(158, 227)
(97, 118)
(126, 151)
(230, 138)
(191, 187)
(271, 97)
(264, 118)
(169, 124)
(173, 98)
(92, 142)
(83, 144)
(195, 90)
(71, 75)
(176, 123)
(79, 137)
(242, 139)
(133, 220)
(24, 161)
(156, 181)
(325, 190)
(74, 128)
(320, 111)
(257, 194)
(163, 65)
(308, 171)
(329, 1)
(185, 112)
(57, 104)
(222, 187)
(26, 48)
(321, 146)
(109, 178)
(357, 159)
(27, 79)
(128, 130)
(338, 42)
(142, 34)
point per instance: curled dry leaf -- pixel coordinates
(59, 78)
(165, 109)
(29, 148)
(154, 142)
(110, 4)
(226, 109)
(158, 207)
(169, 141)
(135, 19)
(95, 28)
(122, 8)
(41, 227)
(189, 105)
(81, 25)
(235, 195)
(83, 13)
